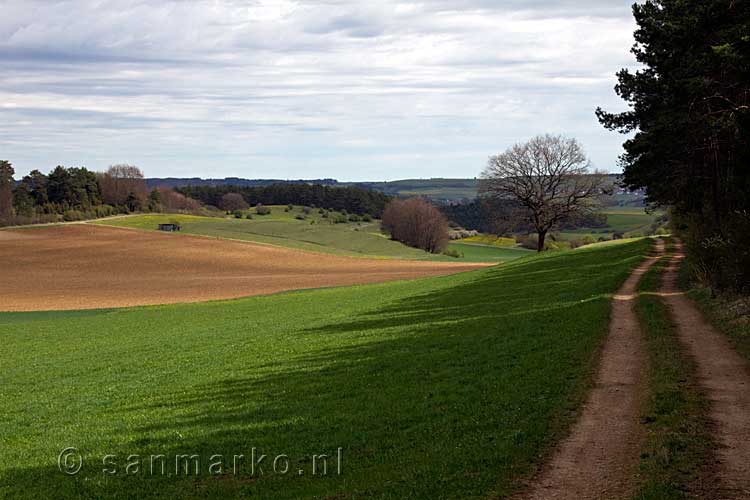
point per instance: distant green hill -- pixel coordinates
(440, 190)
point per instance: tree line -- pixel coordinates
(76, 193)
(690, 115)
(353, 200)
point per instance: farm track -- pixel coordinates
(725, 378)
(599, 459)
(84, 266)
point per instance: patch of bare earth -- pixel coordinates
(600, 457)
(725, 378)
(86, 266)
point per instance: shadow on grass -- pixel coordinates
(452, 393)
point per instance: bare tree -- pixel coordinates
(549, 177)
(172, 201)
(416, 222)
(233, 201)
(119, 182)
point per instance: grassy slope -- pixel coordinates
(678, 448)
(439, 388)
(728, 314)
(281, 228)
(485, 253)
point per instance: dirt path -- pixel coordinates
(84, 266)
(725, 379)
(600, 457)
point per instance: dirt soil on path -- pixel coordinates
(81, 266)
(725, 378)
(599, 459)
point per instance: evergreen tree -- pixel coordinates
(154, 200)
(6, 190)
(690, 111)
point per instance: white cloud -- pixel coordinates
(279, 88)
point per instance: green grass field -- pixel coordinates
(471, 252)
(630, 221)
(435, 189)
(448, 387)
(315, 233)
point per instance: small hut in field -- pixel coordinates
(170, 227)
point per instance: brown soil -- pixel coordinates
(725, 379)
(599, 460)
(81, 266)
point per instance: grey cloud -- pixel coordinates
(283, 80)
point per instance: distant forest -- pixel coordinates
(179, 182)
(75, 193)
(353, 200)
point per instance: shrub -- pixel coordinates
(453, 253)
(261, 209)
(340, 219)
(231, 202)
(172, 201)
(367, 218)
(306, 210)
(237, 214)
(73, 215)
(104, 211)
(529, 241)
(249, 216)
(354, 218)
(588, 240)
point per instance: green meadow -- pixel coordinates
(629, 221)
(449, 387)
(314, 233)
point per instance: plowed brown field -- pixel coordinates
(80, 266)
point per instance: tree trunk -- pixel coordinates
(540, 241)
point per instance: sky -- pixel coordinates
(353, 90)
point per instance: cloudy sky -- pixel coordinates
(356, 90)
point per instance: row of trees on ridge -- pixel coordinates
(77, 193)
